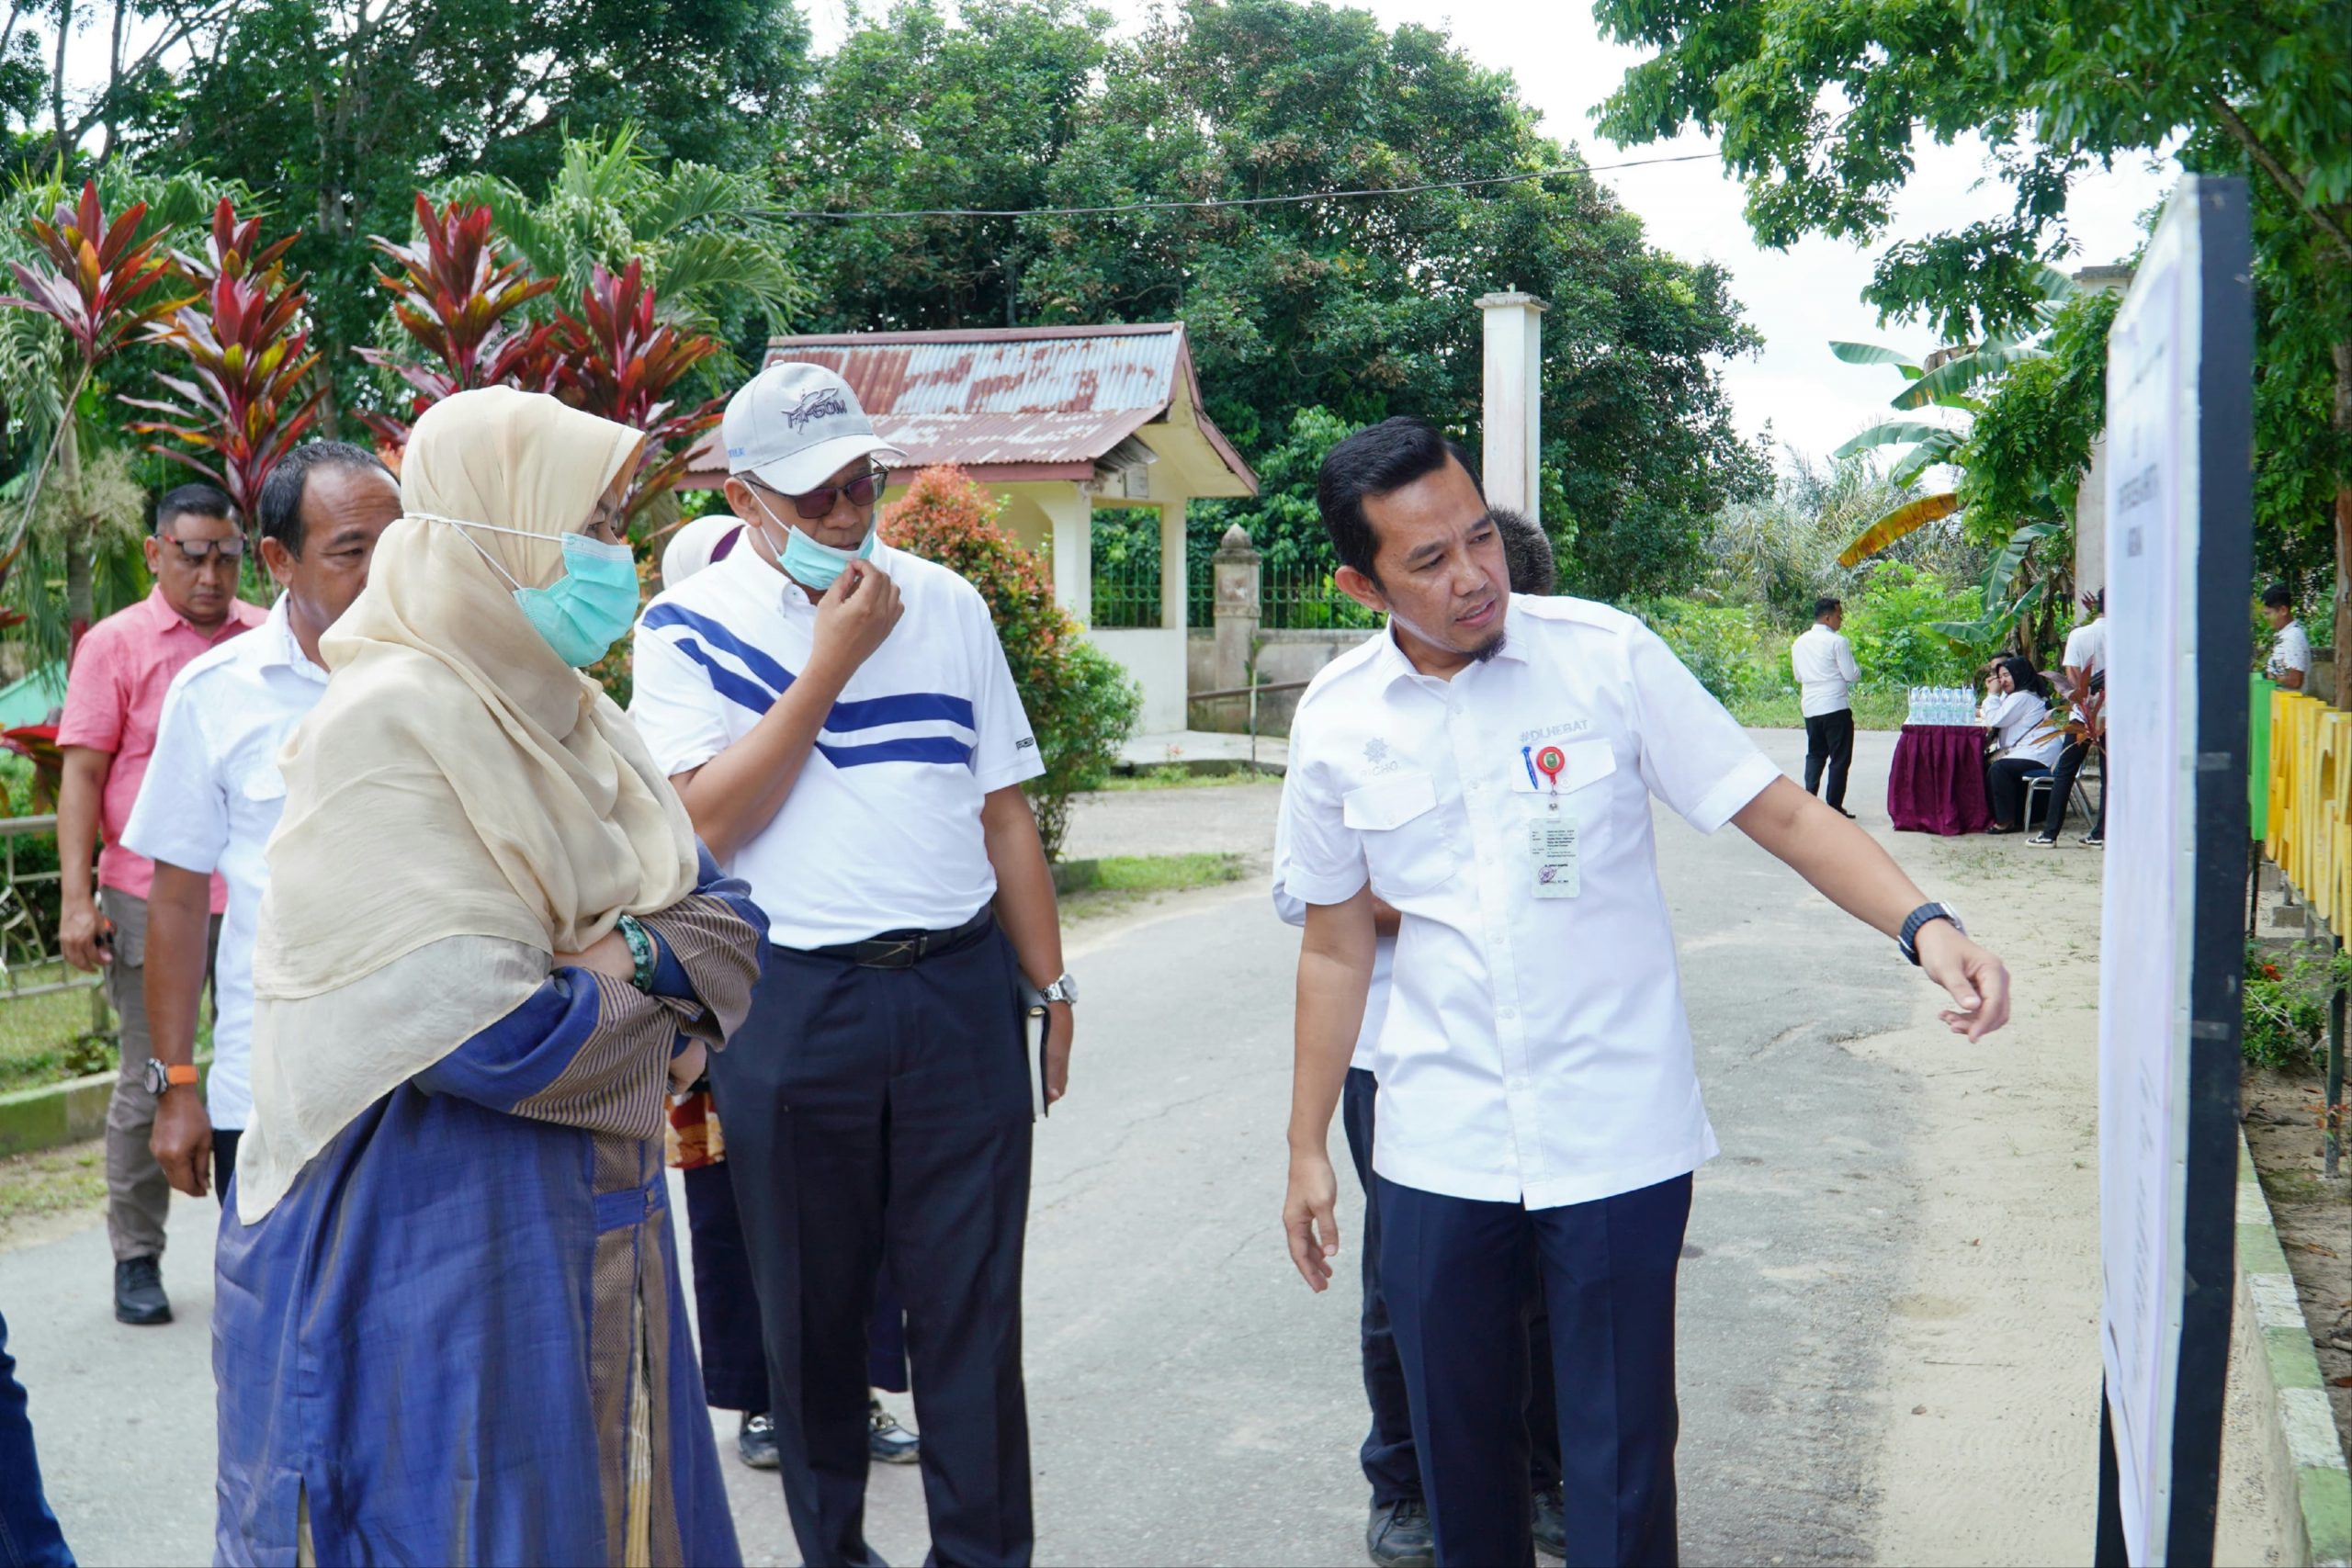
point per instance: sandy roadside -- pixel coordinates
(1991, 1392)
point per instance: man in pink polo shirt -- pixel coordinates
(113, 700)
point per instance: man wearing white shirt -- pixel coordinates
(1823, 663)
(2290, 647)
(840, 723)
(2085, 662)
(1486, 768)
(212, 793)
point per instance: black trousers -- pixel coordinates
(877, 1115)
(2006, 783)
(2061, 787)
(727, 1305)
(1829, 739)
(1456, 1273)
(1390, 1462)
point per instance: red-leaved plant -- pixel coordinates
(243, 406)
(616, 360)
(452, 292)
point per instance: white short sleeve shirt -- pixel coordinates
(1293, 911)
(1536, 1048)
(882, 829)
(2290, 650)
(210, 800)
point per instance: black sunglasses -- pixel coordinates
(814, 506)
(198, 551)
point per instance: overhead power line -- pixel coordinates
(1211, 202)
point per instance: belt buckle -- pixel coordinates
(900, 954)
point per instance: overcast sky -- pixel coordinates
(1799, 298)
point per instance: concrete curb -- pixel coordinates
(2305, 1455)
(32, 1119)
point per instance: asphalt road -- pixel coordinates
(1190, 1402)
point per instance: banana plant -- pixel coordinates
(244, 405)
(452, 290)
(619, 359)
(2009, 602)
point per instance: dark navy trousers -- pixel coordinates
(727, 1304)
(883, 1115)
(28, 1534)
(1456, 1274)
(1389, 1462)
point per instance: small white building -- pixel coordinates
(1058, 423)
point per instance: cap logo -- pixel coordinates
(817, 402)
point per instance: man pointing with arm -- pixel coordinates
(1486, 768)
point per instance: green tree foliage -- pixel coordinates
(2055, 87)
(1360, 308)
(334, 111)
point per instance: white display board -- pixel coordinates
(2164, 763)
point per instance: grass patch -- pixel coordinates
(1873, 709)
(1117, 882)
(54, 1182)
(48, 1039)
(1177, 775)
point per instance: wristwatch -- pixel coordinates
(160, 1077)
(1062, 990)
(1924, 915)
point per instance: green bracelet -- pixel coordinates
(641, 948)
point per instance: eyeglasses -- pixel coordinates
(813, 506)
(196, 552)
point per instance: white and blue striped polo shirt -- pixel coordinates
(882, 829)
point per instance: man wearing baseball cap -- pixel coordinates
(840, 720)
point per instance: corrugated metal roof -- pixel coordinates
(1002, 399)
(1041, 374)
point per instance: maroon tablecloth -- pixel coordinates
(1938, 782)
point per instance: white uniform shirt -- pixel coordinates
(882, 829)
(1292, 909)
(2290, 650)
(2022, 725)
(209, 802)
(2087, 651)
(1535, 1049)
(1825, 671)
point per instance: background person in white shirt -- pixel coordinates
(2029, 741)
(1396, 1533)
(838, 718)
(2085, 662)
(1823, 663)
(1486, 768)
(2290, 650)
(212, 793)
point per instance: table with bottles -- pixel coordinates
(1937, 785)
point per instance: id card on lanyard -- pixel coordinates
(1552, 834)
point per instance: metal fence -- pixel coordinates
(29, 965)
(1292, 595)
(1298, 597)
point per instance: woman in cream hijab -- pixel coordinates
(449, 1327)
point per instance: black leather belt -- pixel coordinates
(904, 950)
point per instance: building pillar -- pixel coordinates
(1173, 578)
(1238, 583)
(1069, 513)
(1514, 402)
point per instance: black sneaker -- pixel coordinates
(1551, 1522)
(139, 1291)
(1398, 1535)
(755, 1442)
(2096, 840)
(888, 1442)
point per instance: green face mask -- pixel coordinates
(586, 611)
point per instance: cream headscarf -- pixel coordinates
(461, 804)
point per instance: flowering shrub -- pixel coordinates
(1080, 703)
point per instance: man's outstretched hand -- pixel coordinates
(1977, 982)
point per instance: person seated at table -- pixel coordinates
(2027, 740)
(1993, 695)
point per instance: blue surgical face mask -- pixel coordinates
(807, 561)
(586, 611)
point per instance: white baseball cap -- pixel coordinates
(792, 426)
